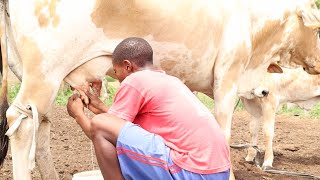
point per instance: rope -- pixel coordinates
(235, 107)
(289, 173)
(244, 146)
(15, 125)
(32, 154)
(24, 115)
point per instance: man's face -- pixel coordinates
(121, 71)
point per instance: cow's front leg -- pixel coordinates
(39, 97)
(21, 142)
(43, 155)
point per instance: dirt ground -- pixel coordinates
(296, 147)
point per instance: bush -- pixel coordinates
(318, 3)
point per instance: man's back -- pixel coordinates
(163, 105)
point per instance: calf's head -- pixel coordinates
(303, 30)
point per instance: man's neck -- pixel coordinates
(147, 67)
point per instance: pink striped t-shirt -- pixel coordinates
(163, 105)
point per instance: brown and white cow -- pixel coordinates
(213, 46)
(292, 86)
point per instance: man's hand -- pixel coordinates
(75, 106)
(95, 104)
(96, 87)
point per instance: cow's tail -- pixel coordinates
(4, 140)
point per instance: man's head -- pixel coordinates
(131, 55)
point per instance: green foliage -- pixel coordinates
(315, 111)
(13, 91)
(318, 3)
(109, 79)
(293, 111)
(239, 105)
(207, 101)
(111, 93)
(63, 95)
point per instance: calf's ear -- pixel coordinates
(310, 17)
(274, 68)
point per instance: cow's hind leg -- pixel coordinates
(224, 103)
(43, 154)
(268, 129)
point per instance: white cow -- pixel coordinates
(292, 86)
(213, 46)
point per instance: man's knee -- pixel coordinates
(106, 126)
(96, 124)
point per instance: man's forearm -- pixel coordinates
(104, 109)
(85, 124)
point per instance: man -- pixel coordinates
(156, 127)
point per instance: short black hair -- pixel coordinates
(134, 49)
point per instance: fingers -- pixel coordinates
(84, 92)
(84, 97)
(80, 93)
(74, 97)
(89, 94)
(96, 87)
(72, 103)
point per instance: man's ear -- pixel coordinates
(128, 65)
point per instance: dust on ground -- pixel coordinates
(296, 146)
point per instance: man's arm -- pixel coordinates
(85, 124)
(95, 104)
(75, 109)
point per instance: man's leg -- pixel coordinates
(105, 130)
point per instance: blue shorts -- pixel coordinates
(143, 155)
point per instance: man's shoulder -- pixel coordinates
(146, 79)
(144, 75)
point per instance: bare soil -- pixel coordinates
(296, 146)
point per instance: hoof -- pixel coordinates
(249, 159)
(267, 167)
(251, 162)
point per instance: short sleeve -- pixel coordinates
(127, 103)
